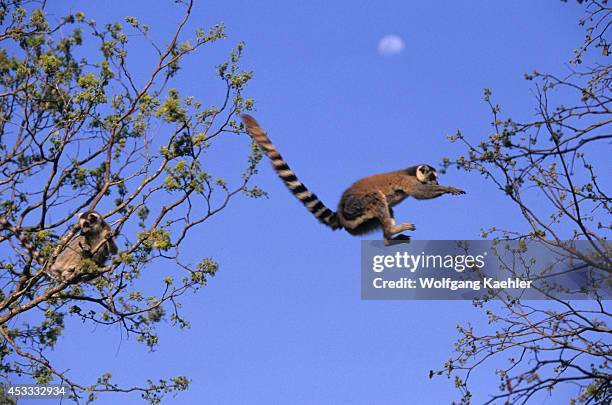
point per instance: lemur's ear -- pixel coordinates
(79, 215)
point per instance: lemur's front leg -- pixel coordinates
(428, 191)
(86, 251)
(452, 190)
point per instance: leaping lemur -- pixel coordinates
(367, 204)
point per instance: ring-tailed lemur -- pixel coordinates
(366, 205)
(93, 242)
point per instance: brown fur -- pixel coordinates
(92, 243)
(367, 204)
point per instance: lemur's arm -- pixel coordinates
(428, 191)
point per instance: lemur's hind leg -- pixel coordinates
(396, 229)
(383, 214)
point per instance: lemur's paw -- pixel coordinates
(456, 191)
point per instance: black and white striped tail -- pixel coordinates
(308, 198)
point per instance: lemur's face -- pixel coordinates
(427, 174)
(89, 220)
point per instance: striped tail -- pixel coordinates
(308, 198)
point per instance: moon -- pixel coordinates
(391, 45)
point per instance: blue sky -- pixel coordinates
(283, 321)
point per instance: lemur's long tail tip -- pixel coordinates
(249, 121)
(297, 188)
